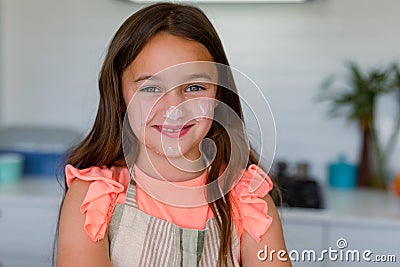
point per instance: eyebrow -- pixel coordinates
(199, 75)
(190, 77)
(146, 77)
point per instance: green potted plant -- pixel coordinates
(356, 101)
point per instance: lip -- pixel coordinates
(173, 131)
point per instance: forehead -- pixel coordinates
(165, 50)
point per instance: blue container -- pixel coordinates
(39, 163)
(42, 163)
(342, 174)
(43, 148)
(11, 167)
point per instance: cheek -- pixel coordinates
(200, 108)
(204, 126)
(206, 107)
(140, 111)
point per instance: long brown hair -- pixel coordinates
(104, 145)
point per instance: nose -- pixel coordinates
(171, 103)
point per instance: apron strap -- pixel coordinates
(131, 191)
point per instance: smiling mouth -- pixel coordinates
(173, 131)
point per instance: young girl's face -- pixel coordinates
(170, 94)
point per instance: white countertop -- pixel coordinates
(40, 190)
(358, 206)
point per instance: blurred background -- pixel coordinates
(51, 52)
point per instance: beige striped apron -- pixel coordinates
(138, 239)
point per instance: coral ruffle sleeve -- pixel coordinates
(250, 211)
(107, 188)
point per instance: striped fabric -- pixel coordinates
(130, 199)
(138, 239)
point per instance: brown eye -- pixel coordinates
(194, 88)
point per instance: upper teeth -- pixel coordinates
(169, 130)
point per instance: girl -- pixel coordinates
(141, 189)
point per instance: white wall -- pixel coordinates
(51, 52)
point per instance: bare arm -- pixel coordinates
(74, 246)
(273, 240)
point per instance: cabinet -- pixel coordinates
(353, 223)
(300, 236)
(365, 243)
(28, 220)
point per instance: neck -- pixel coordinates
(174, 169)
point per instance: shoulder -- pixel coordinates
(96, 191)
(85, 214)
(72, 237)
(256, 218)
(271, 249)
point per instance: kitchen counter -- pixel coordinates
(32, 188)
(359, 206)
